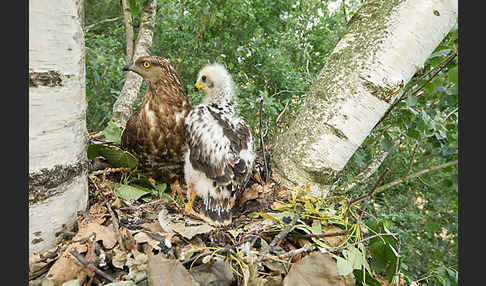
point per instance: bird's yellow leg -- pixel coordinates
(188, 206)
(176, 188)
(232, 203)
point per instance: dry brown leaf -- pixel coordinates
(189, 231)
(122, 283)
(333, 241)
(98, 212)
(167, 272)
(103, 233)
(67, 267)
(217, 273)
(137, 264)
(278, 206)
(250, 194)
(119, 259)
(153, 227)
(317, 269)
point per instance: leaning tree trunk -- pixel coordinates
(386, 42)
(58, 186)
(122, 108)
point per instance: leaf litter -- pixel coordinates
(279, 236)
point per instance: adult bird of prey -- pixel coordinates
(155, 131)
(220, 157)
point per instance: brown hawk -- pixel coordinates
(220, 156)
(155, 131)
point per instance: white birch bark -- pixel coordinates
(122, 108)
(58, 186)
(386, 42)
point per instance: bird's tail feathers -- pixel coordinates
(217, 211)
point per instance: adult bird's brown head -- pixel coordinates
(151, 68)
(155, 131)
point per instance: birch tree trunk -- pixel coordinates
(386, 42)
(58, 186)
(122, 108)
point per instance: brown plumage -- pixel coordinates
(155, 131)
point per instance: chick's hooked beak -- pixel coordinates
(198, 86)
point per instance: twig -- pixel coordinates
(321, 235)
(81, 259)
(227, 248)
(305, 248)
(397, 273)
(109, 170)
(276, 240)
(361, 241)
(262, 144)
(283, 111)
(368, 195)
(365, 174)
(418, 174)
(447, 60)
(413, 156)
(101, 22)
(117, 227)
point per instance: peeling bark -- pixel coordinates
(386, 42)
(58, 186)
(122, 108)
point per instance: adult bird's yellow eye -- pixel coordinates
(146, 65)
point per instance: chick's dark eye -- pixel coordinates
(203, 78)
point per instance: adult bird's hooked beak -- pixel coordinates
(198, 86)
(127, 66)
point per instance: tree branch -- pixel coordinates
(418, 174)
(129, 36)
(122, 108)
(100, 22)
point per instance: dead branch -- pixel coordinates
(367, 173)
(368, 195)
(116, 227)
(83, 261)
(262, 144)
(308, 247)
(321, 235)
(361, 241)
(276, 240)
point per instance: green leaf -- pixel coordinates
(344, 266)
(432, 226)
(112, 133)
(117, 157)
(131, 193)
(94, 150)
(386, 144)
(413, 133)
(452, 75)
(368, 279)
(411, 100)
